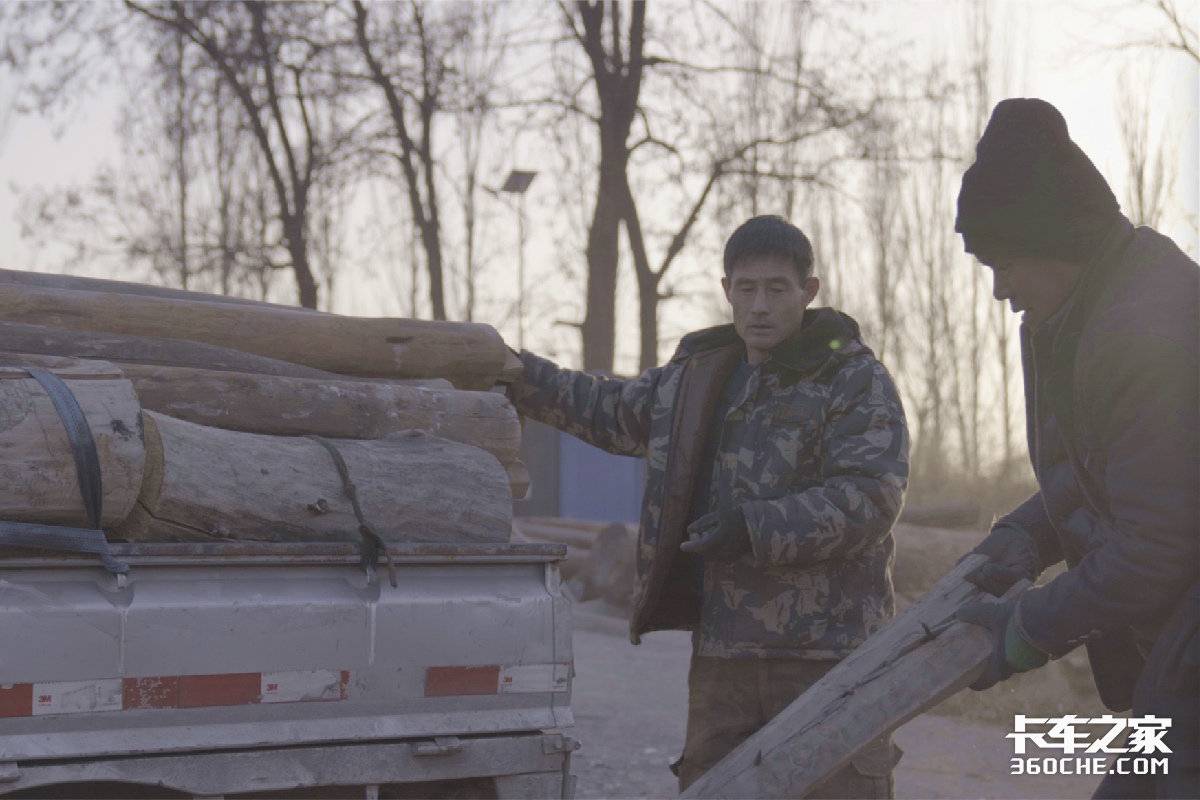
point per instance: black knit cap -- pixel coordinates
(1031, 190)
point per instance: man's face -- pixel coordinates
(1034, 285)
(768, 298)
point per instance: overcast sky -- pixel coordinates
(1060, 51)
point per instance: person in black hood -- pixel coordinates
(776, 462)
(1109, 340)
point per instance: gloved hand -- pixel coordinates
(1012, 556)
(719, 535)
(1011, 651)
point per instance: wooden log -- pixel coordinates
(904, 669)
(16, 337)
(513, 368)
(340, 409)
(470, 355)
(38, 478)
(203, 483)
(47, 280)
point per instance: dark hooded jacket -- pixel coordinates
(1112, 386)
(813, 450)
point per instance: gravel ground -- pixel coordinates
(630, 704)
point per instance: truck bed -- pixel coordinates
(243, 645)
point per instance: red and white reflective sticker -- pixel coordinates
(172, 691)
(495, 679)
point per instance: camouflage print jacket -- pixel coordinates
(815, 452)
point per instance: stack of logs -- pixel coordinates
(213, 417)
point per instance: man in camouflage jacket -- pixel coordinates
(779, 443)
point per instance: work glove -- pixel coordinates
(1012, 556)
(719, 535)
(1011, 652)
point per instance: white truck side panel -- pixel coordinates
(284, 629)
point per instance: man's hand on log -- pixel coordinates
(719, 535)
(1012, 651)
(1012, 557)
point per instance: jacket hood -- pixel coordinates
(825, 335)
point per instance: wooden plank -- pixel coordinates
(470, 355)
(895, 675)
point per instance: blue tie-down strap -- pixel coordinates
(88, 541)
(85, 541)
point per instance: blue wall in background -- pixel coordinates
(575, 480)
(597, 485)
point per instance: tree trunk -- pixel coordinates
(470, 355)
(206, 483)
(38, 479)
(600, 319)
(339, 409)
(648, 300)
(16, 337)
(297, 244)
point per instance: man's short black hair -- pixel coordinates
(769, 235)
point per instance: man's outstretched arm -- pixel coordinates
(610, 413)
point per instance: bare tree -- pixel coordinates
(615, 52)
(479, 70)
(1176, 31)
(262, 53)
(701, 146)
(415, 94)
(1149, 173)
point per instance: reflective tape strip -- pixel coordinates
(16, 700)
(76, 697)
(536, 678)
(304, 687)
(460, 681)
(173, 692)
(494, 679)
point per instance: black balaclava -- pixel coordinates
(1031, 190)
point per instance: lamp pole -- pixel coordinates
(517, 183)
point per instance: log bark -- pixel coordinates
(16, 337)
(38, 479)
(340, 409)
(895, 675)
(283, 406)
(470, 355)
(47, 280)
(205, 483)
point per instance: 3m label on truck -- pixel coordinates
(173, 691)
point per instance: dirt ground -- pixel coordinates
(630, 704)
